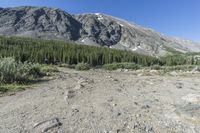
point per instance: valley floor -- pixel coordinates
(99, 101)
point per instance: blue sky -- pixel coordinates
(179, 18)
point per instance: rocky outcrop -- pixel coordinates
(100, 30)
(36, 22)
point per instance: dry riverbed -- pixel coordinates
(99, 101)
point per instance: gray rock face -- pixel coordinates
(91, 29)
(39, 23)
(99, 30)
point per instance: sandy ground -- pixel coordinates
(99, 101)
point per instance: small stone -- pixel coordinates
(118, 114)
(153, 71)
(148, 128)
(78, 87)
(179, 85)
(196, 69)
(145, 107)
(125, 70)
(109, 77)
(114, 104)
(140, 75)
(75, 110)
(173, 73)
(70, 94)
(138, 115)
(105, 131)
(119, 90)
(115, 79)
(118, 130)
(135, 126)
(48, 124)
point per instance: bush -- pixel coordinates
(48, 69)
(11, 87)
(130, 66)
(12, 71)
(178, 68)
(125, 65)
(82, 66)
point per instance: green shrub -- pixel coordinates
(82, 66)
(12, 71)
(48, 69)
(11, 87)
(112, 66)
(34, 69)
(125, 65)
(3, 89)
(178, 68)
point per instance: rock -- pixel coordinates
(179, 85)
(193, 98)
(118, 114)
(114, 104)
(145, 107)
(189, 112)
(148, 128)
(109, 76)
(138, 115)
(119, 70)
(47, 125)
(173, 73)
(118, 130)
(196, 69)
(105, 131)
(84, 80)
(136, 125)
(126, 70)
(113, 79)
(140, 74)
(75, 111)
(70, 94)
(153, 71)
(78, 87)
(119, 90)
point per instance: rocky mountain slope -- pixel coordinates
(91, 29)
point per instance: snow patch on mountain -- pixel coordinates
(99, 16)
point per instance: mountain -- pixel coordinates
(91, 29)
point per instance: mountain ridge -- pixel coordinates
(89, 28)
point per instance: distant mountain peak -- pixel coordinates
(89, 28)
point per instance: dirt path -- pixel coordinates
(97, 101)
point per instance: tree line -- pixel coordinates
(37, 50)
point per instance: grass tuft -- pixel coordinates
(11, 87)
(82, 66)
